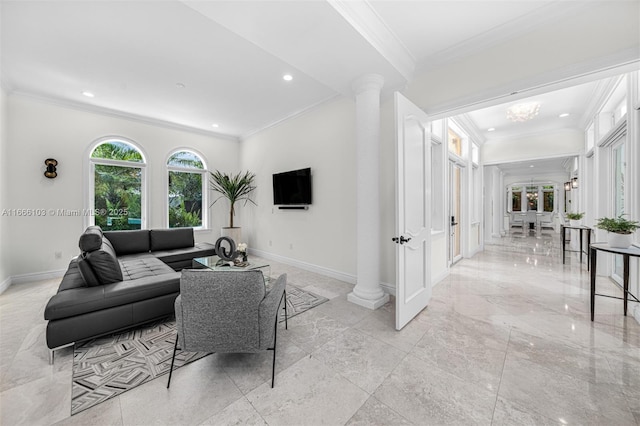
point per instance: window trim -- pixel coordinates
(89, 173)
(205, 185)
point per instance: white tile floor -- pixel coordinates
(506, 339)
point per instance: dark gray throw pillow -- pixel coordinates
(104, 264)
(86, 272)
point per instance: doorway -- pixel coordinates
(455, 212)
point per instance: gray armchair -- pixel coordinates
(228, 312)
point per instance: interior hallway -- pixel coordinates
(506, 339)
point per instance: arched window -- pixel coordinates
(117, 185)
(186, 198)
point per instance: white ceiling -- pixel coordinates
(231, 55)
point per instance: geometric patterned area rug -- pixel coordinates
(299, 301)
(111, 365)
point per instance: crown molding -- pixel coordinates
(598, 98)
(587, 71)
(537, 158)
(294, 114)
(368, 23)
(121, 114)
(467, 123)
(524, 136)
(544, 15)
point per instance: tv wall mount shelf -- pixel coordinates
(293, 207)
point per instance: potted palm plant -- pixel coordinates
(234, 188)
(620, 230)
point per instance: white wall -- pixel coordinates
(40, 130)
(577, 42)
(548, 145)
(4, 180)
(324, 236)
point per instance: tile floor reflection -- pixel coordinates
(506, 340)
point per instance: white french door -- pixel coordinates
(413, 210)
(455, 212)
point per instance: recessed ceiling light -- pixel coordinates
(180, 85)
(491, 129)
(564, 114)
(88, 94)
(531, 165)
(215, 125)
(287, 77)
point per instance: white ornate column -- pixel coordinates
(368, 292)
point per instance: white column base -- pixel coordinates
(368, 303)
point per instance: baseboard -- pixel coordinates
(389, 288)
(37, 276)
(636, 313)
(351, 279)
(441, 276)
(5, 284)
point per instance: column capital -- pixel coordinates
(367, 82)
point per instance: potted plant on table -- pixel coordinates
(574, 218)
(234, 188)
(620, 230)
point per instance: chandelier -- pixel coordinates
(522, 112)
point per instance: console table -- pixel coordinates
(626, 254)
(563, 241)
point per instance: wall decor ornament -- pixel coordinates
(51, 164)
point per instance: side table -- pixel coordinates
(626, 254)
(563, 241)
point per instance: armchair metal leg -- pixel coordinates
(173, 358)
(275, 344)
(286, 325)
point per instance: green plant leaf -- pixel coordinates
(234, 188)
(619, 225)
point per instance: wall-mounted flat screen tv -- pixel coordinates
(292, 188)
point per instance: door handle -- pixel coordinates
(401, 240)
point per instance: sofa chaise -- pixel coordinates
(119, 280)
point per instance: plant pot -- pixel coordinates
(619, 240)
(234, 233)
(573, 222)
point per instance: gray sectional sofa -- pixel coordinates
(119, 280)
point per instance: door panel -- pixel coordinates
(413, 218)
(455, 211)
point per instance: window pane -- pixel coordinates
(455, 143)
(116, 150)
(532, 198)
(619, 166)
(516, 201)
(548, 201)
(185, 159)
(185, 199)
(118, 197)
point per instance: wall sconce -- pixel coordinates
(574, 182)
(567, 186)
(51, 168)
